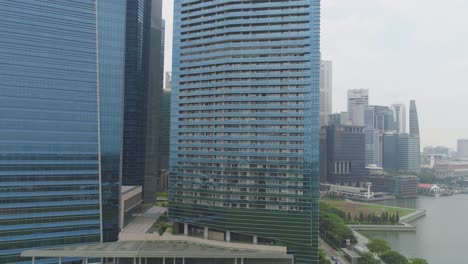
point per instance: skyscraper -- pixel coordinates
(401, 152)
(326, 90)
(415, 159)
(143, 90)
(164, 136)
(390, 152)
(344, 155)
(409, 153)
(413, 119)
(399, 110)
(61, 86)
(384, 118)
(373, 137)
(245, 129)
(358, 101)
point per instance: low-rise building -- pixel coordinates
(131, 198)
(400, 186)
(426, 188)
(450, 169)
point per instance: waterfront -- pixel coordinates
(441, 236)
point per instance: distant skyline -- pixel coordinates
(399, 50)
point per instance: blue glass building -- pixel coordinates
(61, 88)
(245, 122)
(143, 91)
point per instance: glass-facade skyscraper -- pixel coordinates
(245, 121)
(61, 88)
(143, 91)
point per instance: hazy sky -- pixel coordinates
(399, 50)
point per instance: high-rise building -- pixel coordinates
(401, 152)
(326, 88)
(413, 119)
(344, 158)
(399, 111)
(415, 141)
(165, 130)
(358, 101)
(245, 125)
(384, 118)
(409, 153)
(143, 90)
(462, 148)
(373, 138)
(390, 151)
(61, 87)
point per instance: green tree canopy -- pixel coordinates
(378, 246)
(323, 257)
(368, 258)
(393, 257)
(419, 261)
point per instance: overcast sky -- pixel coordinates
(399, 50)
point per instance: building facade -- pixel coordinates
(401, 186)
(143, 90)
(408, 153)
(373, 138)
(165, 131)
(401, 152)
(345, 155)
(326, 90)
(358, 102)
(245, 133)
(61, 100)
(413, 119)
(384, 118)
(399, 111)
(415, 138)
(390, 151)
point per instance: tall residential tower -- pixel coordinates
(245, 124)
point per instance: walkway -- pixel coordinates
(143, 222)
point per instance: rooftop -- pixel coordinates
(128, 188)
(155, 249)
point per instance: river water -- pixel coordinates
(441, 236)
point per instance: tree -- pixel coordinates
(393, 257)
(378, 246)
(368, 258)
(323, 257)
(361, 217)
(419, 261)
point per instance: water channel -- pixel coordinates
(441, 236)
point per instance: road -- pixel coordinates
(331, 252)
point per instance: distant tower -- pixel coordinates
(358, 101)
(399, 111)
(413, 115)
(462, 147)
(415, 141)
(325, 91)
